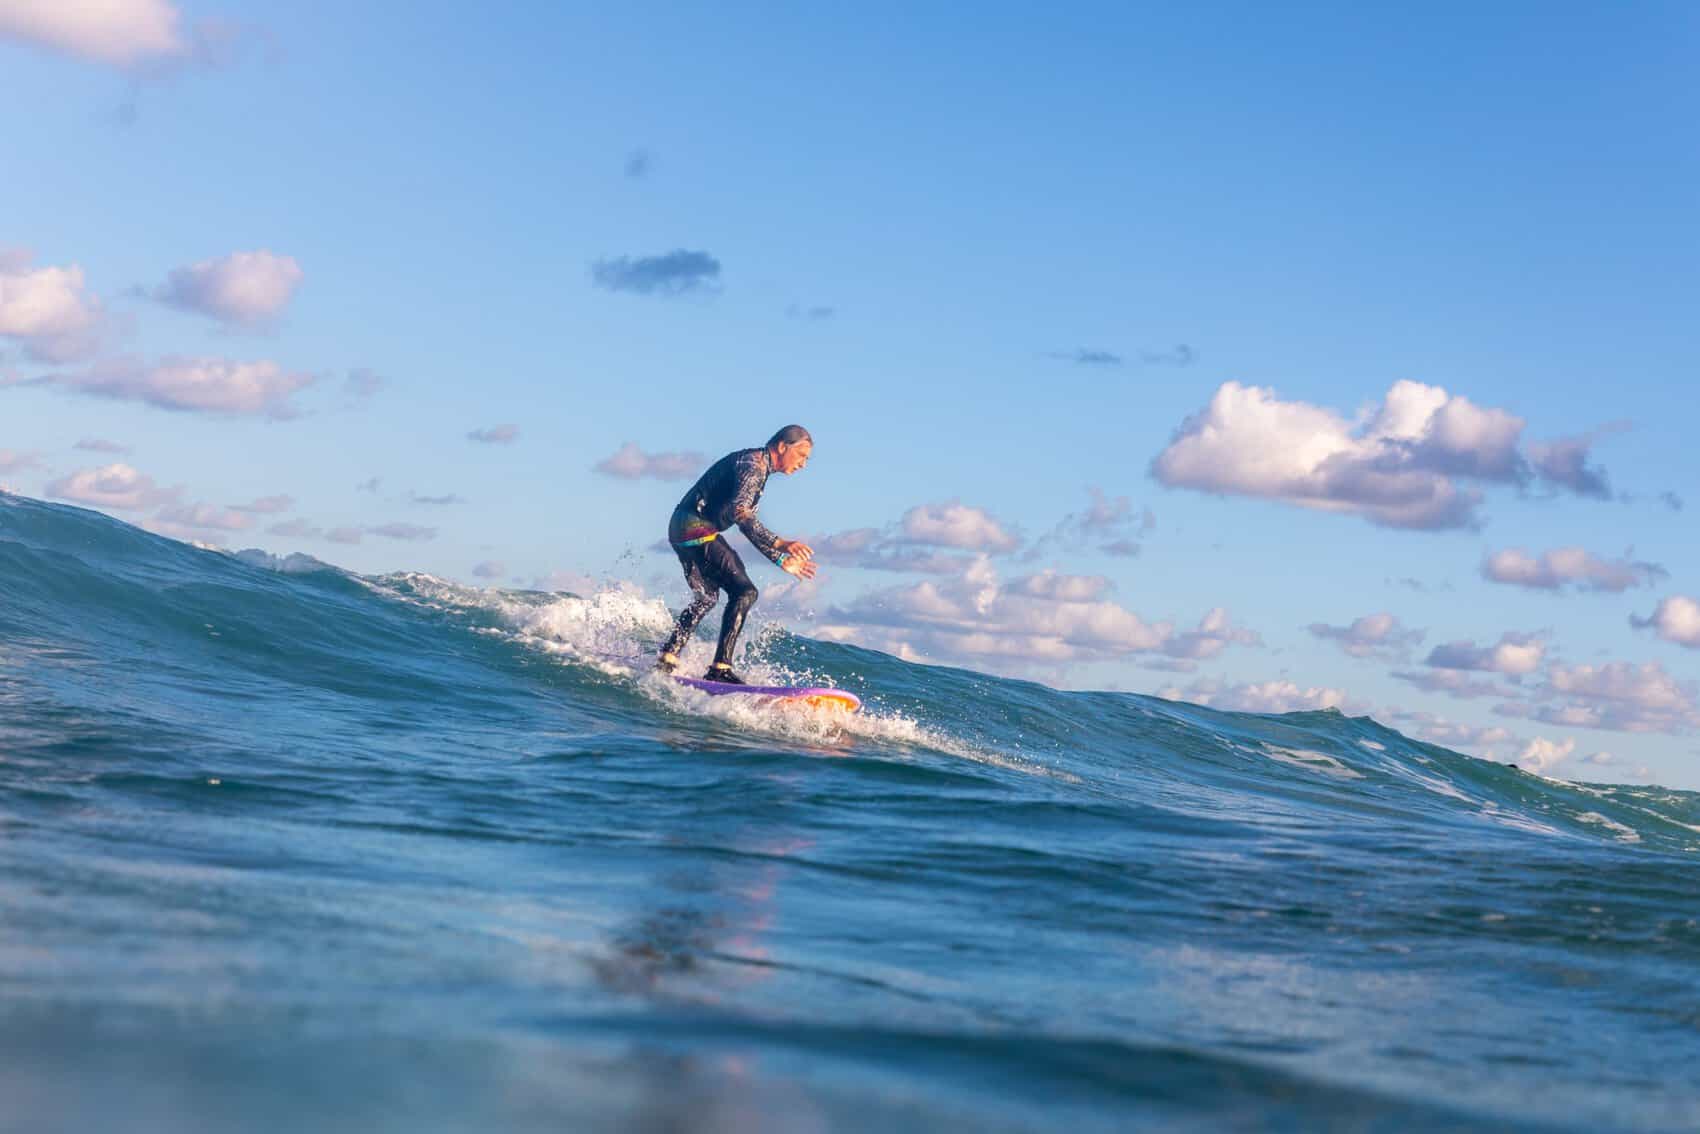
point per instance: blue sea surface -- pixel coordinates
(285, 848)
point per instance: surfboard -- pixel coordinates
(819, 697)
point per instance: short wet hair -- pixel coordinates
(791, 435)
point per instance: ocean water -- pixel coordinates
(284, 848)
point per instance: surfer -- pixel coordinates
(728, 493)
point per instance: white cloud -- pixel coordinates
(1373, 635)
(1513, 654)
(955, 525)
(205, 516)
(1108, 524)
(1565, 566)
(1398, 465)
(1544, 757)
(48, 310)
(363, 383)
(1264, 697)
(489, 569)
(1675, 619)
(345, 535)
(1214, 634)
(123, 33)
(575, 582)
(100, 445)
(112, 486)
(632, 463)
(1452, 682)
(1564, 463)
(1036, 622)
(296, 529)
(495, 435)
(13, 461)
(1621, 696)
(197, 385)
(241, 288)
(1485, 740)
(267, 505)
(403, 531)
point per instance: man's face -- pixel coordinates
(793, 457)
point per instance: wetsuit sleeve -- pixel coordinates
(751, 480)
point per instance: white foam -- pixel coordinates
(614, 631)
(1621, 832)
(1314, 761)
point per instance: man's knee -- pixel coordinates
(746, 596)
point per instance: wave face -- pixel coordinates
(286, 848)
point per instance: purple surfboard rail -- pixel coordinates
(815, 695)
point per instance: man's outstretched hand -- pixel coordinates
(799, 559)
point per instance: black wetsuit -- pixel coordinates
(728, 493)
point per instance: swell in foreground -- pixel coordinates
(287, 848)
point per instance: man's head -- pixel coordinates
(789, 449)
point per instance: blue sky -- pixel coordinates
(923, 226)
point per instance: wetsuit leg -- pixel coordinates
(726, 570)
(705, 591)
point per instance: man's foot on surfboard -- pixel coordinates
(724, 674)
(667, 663)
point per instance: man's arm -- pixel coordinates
(792, 556)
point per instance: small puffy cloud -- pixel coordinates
(403, 531)
(48, 311)
(1568, 566)
(1399, 465)
(1088, 356)
(1181, 355)
(1671, 500)
(815, 314)
(435, 501)
(112, 486)
(1543, 756)
(363, 383)
(1214, 634)
(371, 484)
(1621, 696)
(638, 164)
(974, 619)
(1452, 682)
(495, 435)
(11, 460)
(1109, 524)
(123, 33)
(1564, 463)
(296, 529)
(1451, 734)
(345, 535)
(632, 463)
(575, 582)
(1675, 619)
(1373, 635)
(243, 288)
(489, 569)
(955, 525)
(202, 516)
(1264, 697)
(1035, 622)
(100, 445)
(267, 505)
(672, 273)
(219, 386)
(875, 550)
(1514, 654)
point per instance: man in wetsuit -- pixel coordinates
(728, 494)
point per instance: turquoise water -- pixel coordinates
(283, 848)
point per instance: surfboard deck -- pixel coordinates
(821, 697)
